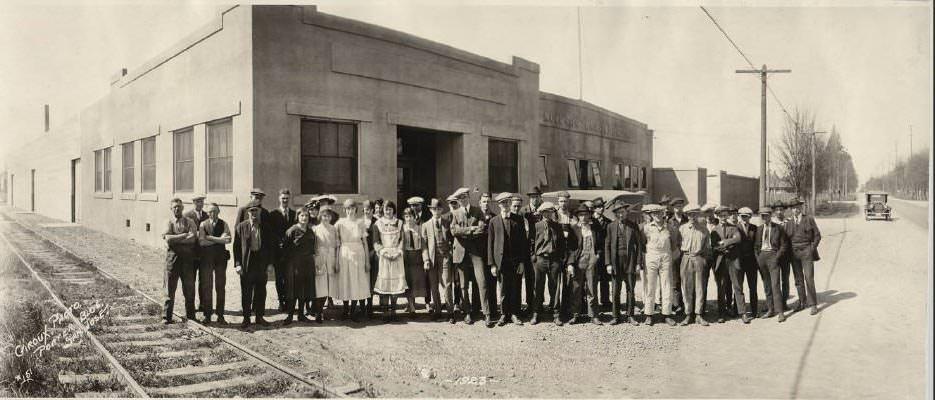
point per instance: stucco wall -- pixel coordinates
(573, 129)
(313, 65)
(205, 77)
(689, 184)
(736, 190)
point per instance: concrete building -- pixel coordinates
(736, 190)
(697, 186)
(288, 97)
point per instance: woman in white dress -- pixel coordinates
(326, 260)
(353, 276)
(391, 275)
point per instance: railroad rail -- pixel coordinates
(149, 358)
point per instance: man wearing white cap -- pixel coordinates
(470, 245)
(694, 248)
(660, 242)
(507, 247)
(415, 203)
(748, 258)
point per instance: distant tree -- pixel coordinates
(795, 154)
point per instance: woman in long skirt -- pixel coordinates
(326, 260)
(412, 259)
(299, 247)
(391, 278)
(353, 276)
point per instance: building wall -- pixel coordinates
(313, 65)
(50, 155)
(736, 190)
(573, 129)
(689, 184)
(205, 77)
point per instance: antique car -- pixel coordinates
(876, 206)
(610, 198)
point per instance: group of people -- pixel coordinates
(468, 260)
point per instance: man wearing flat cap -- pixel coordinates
(507, 248)
(621, 261)
(180, 237)
(416, 203)
(255, 195)
(769, 246)
(255, 249)
(548, 256)
(660, 241)
(436, 254)
(584, 250)
(748, 258)
(600, 222)
(198, 215)
(694, 247)
(728, 264)
(531, 215)
(804, 237)
(470, 244)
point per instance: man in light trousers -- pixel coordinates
(661, 240)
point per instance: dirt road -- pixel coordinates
(867, 342)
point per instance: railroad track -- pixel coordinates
(129, 343)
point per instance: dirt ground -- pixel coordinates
(868, 341)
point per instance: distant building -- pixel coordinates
(697, 186)
(286, 96)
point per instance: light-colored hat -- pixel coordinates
(766, 210)
(198, 197)
(350, 203)
(546, 206)
(745, 211)
(461, 192)
(453, 198)
(502, 197)
(621, 206)
(415, 200)
(563, 194)
(327, 199)
(691, 208)
(708, 207)
(651, 208)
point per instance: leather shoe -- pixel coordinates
(670, 321)
(596, 321)
(451, 320)
(488, 322)
(261, 321)
(702, 321)
(535, 319)
(303, 318)
(615, 321)
(558, 322)
(685, 321)
(768, 315)
(634, 322)
(501, 321)
(516, 320)
(468, 320)
(206, 320)
(649, 320)
(288, 320)
(799, 306)
(221, 321)
(813, 311)
(246, 323)
(782, 317)
(745, 318)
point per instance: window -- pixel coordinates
(573, 173)
(503, 171)
(183, 155)
(543, 172)
(126, 151)
(584, 174)
(102, 170)
(596, 174)
(618, 177)
(634, 177)
(627, 179)
(643, 178)
(220, 160)
(329, 157)
(148, 177)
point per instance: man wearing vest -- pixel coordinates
(694, 246)
(180, 236)
(731, 275)
(255, 250)
(621, 259)
(531, 216)
(583, 253)
(213, 235)
(507, 248)
(281, 219)
(804, 238)
(770, 246)
(197, 215)
(748, 263)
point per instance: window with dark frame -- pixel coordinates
(643, 178)
(573, 173)
(98, 171)
(183, 157)
(503, 166)
(127, 182)
(543, 172)
(596, 174)
(618, 177)
(220, 156)
(627, 178)
(329, 157)
(148, 173)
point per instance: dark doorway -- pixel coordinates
(75, 167)
(415, 163)
(32, 190)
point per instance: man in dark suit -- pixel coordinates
(280, 220)
(676, 218)
(180, 236)
(507, 248)
(600, 222)
(197, 214)
(468, 229)
(747, 257)
(531, 217)
(804, 239)
(770, 246)
(731, 275)
(548, 256)
(492, 297)
(621, 260)
(583, 253)
(255, 249)
(255, 194)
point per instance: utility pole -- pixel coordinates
(814, 198)
(580, 72)
(763, 75)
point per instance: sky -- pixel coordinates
(866, 70)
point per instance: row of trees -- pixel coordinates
(908, 179)
(835, 175)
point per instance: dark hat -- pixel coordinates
(253, 204)
(583, 209)
(677, 200)
(535, 192)
(311, 204)
(598, 202)
(765, 210)
(795, 202)
(665, 200)
(636, 207)
(257, 192)
(619, 207)
(435, 203)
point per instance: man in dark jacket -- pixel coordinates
(770, 245)
(180, 236)
(747, 258)
(255, 249)
(198, 215)
(621, 259)
(548, 255)
(281, 219)
(507, 249)
(804, 237)
(731, 276)
(531, 216)
(470, 243)
(600, 222)
(583, 254)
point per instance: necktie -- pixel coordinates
(766, 235)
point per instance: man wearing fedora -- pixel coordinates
(255, 249)
(660, 240)
(769, 246)
(531, 215)
(548, 256)
(584, 250)
(198, 215)
(467, 227)
(436, 254)
(747, 257)
(600, 222)
(728, 263)
(621, 259)
(507, 248)
(804, 237)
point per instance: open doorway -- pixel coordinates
(427, 163)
